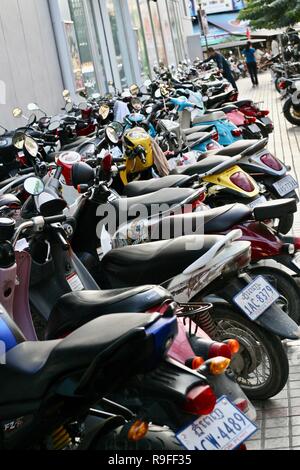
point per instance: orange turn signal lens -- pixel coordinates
(218, 365)
(197, 362)
(234, 345)
(138, 430)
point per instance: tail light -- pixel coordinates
(236, 132)
(242, 181)
(296, 241)
(198, 201)
(107, 162)
(138, 430)
(67, 160)
(263, 113)
(219, 349)
(239, 262)
(282, 85)
(250, 120)
(271, 162)
(215, 136)
(200, 400)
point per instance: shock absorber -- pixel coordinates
(60, 439)
(198, 315)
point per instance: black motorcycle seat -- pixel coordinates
(139, 188)
(151, 203)
(226, 109)
(74, 143)
(155, 262)
(200, 167)
(220, 219)
(221, 97)
(77, 308)
(32, 367)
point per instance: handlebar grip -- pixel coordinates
(26, 171)
(54, 219)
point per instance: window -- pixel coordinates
(140, 37)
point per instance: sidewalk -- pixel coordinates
(279, 418)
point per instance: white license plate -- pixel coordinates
(116, 152)
(296, 260)
(285, 185)
(257, 202)
(256, 298)
(254, 128)
(224, 429)
(266, 120)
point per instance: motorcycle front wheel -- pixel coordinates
(261, 365)
(290, 113)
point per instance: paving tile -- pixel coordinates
(276, 412)
(277, 443)
(295, 441)
(295, 420)
(253, 445)
(276, 422)
(295, 384)
(295, 430)
(294, 392)
(277, 432)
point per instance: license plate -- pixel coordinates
(256, 298)
(285, 185)
(266, 120)
(254, 128)
(296, 260)
(257, 202)
(116, 152)
(224, 429)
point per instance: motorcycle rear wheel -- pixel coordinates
(261, 365)
(290, 116)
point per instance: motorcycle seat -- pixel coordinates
(75, 143)
(208, 221)
(196, 136)
(200, 167)
(214, 116)
(234, 149)
(151, 203)
(77, 308)
(226, 109)
(204, 128)
(32, 367)
(139, 188)
(155, 262)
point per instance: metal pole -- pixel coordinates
(201, 24)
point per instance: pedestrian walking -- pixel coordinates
(249, 53)
(223, 65)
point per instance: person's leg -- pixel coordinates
(250, 70)
(255, 72)
(231, 80)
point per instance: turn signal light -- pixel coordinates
(218, 365)
(282, 85)
(200, 400)
(215, 136)
(197, 362)
(263, 113)
(138, 431)
(233, 345)
(243, 181)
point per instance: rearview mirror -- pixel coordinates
(32, 107)
(83, 106)
(66, 94)
(111, 135)
(134, 89)
(31, 119)
(69, 107)
(34, 186)
(17, 112)
(104, 111)
(18, 140)
(54, 125)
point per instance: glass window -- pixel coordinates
(141, 43)
(114, 29)
(164, 18)
(161, 51)
(176, 33)
(81, 28)
(146, 20)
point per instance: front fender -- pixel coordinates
(278, 322)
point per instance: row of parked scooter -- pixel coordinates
(136, 312)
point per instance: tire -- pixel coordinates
(287, 111)
(157, 438)
(286, 286)
(231, 324)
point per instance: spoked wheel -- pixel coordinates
(261, 365)
(287, 287)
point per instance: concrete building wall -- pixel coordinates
(29, 66)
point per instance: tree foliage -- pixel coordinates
(271, 13)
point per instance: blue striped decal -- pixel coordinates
(7, 336)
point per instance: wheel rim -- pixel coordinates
(295, 114)
(252, 364)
